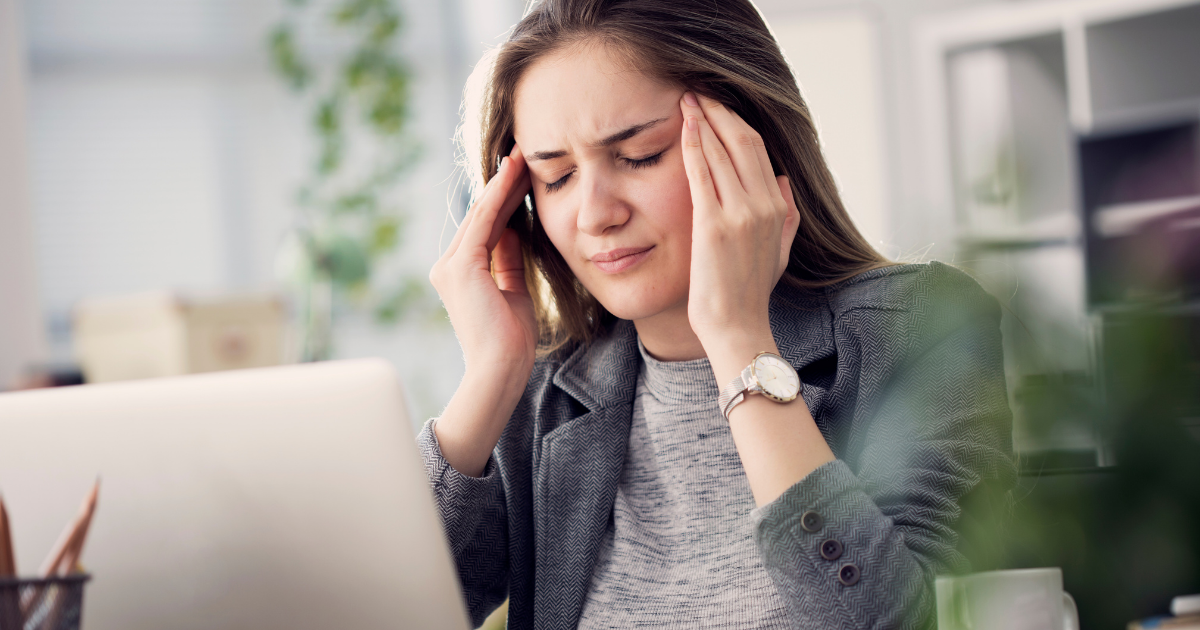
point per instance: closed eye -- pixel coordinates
(562, 181)
(634, 164)
(644, 162)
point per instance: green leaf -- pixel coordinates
(331, 156)
(385, 235)
(329, 115)
(359, 201)
(350, 12)
(385, 29)
(286, 59)
(399, 301)
(347, 262)
(367, 90)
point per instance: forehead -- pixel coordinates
(582, 94)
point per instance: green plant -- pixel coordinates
(350, 221)
(1127, 536)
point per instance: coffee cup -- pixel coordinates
(1016, 599)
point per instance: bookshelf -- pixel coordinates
(1062, 169)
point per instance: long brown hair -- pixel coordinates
(719, 48)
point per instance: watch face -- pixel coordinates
(777, 379)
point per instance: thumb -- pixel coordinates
(508, 265)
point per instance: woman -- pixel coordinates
(650, 465)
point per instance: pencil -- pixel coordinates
(71, 558)
(8, 557)
(10, 603)
(72, 537)
(71, 542)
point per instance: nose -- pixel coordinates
(601, 208)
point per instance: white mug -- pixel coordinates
(1017, 599)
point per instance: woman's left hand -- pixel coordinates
(743, 222)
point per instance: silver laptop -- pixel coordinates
(289, 497)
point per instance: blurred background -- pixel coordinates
(191, 185)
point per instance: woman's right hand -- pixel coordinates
(481, 281)
(481, 278)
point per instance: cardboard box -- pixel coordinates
(161, 334)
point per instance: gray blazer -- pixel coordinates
(902, 369)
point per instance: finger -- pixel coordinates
(513, 200)
(771, 181)
(492, 207)
(488, 191)
(784, 186)
(791, 222)
(508, 265)
(700, 182)
(741, 141)
(720, 164)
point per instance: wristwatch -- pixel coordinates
(768, 374)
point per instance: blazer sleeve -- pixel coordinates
(858, 542)
(475, 522)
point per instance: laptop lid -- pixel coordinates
(290, 497)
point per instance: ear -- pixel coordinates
(791, 223)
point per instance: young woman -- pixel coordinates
(694, 395)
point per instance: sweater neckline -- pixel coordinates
(678, 381)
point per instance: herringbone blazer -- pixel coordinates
(902, 370)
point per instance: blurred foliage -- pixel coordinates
(1127, 536)
(349, 220)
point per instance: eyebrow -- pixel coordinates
(612, 139)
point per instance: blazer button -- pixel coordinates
(849, 575)
(811, 521)
(831, 550)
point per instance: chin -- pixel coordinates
(635, 305)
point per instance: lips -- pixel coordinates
(618, 260)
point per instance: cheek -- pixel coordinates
(560, 228)
(667, 200)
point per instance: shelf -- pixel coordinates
(1012, 137)
(1064, 160)
(1060, 228)
(1127, 218)
(1185, 308)
(1140, 189)
(1144, 61)
(1140, 163)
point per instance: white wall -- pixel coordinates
(21, 331)
(835, 56)
(912, 232)
(162, 149)
(166, 155)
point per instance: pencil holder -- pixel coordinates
(42, 604)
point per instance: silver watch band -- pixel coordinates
(735, 392)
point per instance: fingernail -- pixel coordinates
(691, 122)
(690, 99)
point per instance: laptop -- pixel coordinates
(289, 497)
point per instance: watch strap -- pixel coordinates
(735, 392)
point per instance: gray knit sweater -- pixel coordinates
(680, 551)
